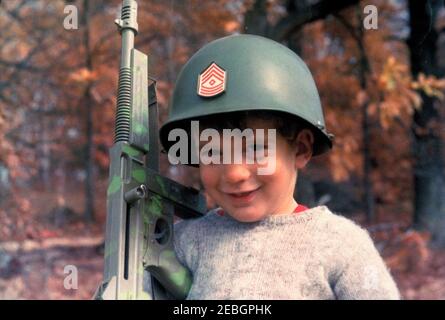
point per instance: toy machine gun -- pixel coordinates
(140, 262)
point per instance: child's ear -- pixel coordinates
(303, 148)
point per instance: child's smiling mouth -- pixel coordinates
(244, 197)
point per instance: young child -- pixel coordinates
(260, 243)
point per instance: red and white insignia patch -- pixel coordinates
(212, 81)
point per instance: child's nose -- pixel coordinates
(234, 173)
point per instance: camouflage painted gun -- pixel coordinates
(140, 262)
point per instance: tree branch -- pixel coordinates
(351, 29)
(286, 26)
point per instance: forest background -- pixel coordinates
(379, 67)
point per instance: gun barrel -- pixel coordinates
(127, 45)
(128, 27)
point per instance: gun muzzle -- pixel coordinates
(128, 19)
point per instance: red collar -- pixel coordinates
(298, 209)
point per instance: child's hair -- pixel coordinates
(286, 128)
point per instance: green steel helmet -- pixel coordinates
(246, 73)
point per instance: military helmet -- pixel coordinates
(242, 73)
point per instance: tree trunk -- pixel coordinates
(364, 66)
(46, 154)
(255, 19)
(429, 178)
(87, 100)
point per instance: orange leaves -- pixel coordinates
(24, 205)
(415, 99)
(389, 110)
(83, 75)
(231, 26)
(362, 97)
(345, 158)
(408, 252)
(393, 75)
(398, 97)
(431, 85)
(400, 94)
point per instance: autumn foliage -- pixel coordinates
(53, 79)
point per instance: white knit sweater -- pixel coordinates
(312, 255)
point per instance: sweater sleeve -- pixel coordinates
(185, 243)
(364, 275)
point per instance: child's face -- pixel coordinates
(249, 196)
